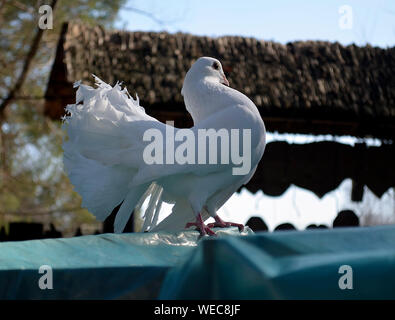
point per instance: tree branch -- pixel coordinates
(21, 6)
(2, 6)
(145, 13)
(26, 67)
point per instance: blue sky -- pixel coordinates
(282, 21)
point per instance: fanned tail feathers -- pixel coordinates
(100, 129)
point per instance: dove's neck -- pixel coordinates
(205, 97)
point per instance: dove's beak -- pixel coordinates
(224, 80)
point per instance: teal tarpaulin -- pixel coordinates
(280, 265)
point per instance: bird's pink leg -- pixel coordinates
(222, 224)
(199, 224)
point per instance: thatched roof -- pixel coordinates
(302, 87)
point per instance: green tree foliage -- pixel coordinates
(33, 186)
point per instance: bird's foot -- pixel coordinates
(203, 229)
(199, 224)
(223, 224)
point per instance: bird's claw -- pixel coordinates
(226, 225)
(219, 223)
(204, 230)
(199, 224)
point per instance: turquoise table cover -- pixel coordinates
(279, 265)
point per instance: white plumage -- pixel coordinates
(103, 153)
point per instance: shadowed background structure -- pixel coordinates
(302, 87)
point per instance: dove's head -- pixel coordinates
(206, 68)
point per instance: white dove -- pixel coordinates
(105, 154)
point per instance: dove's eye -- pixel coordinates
(215, 65)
